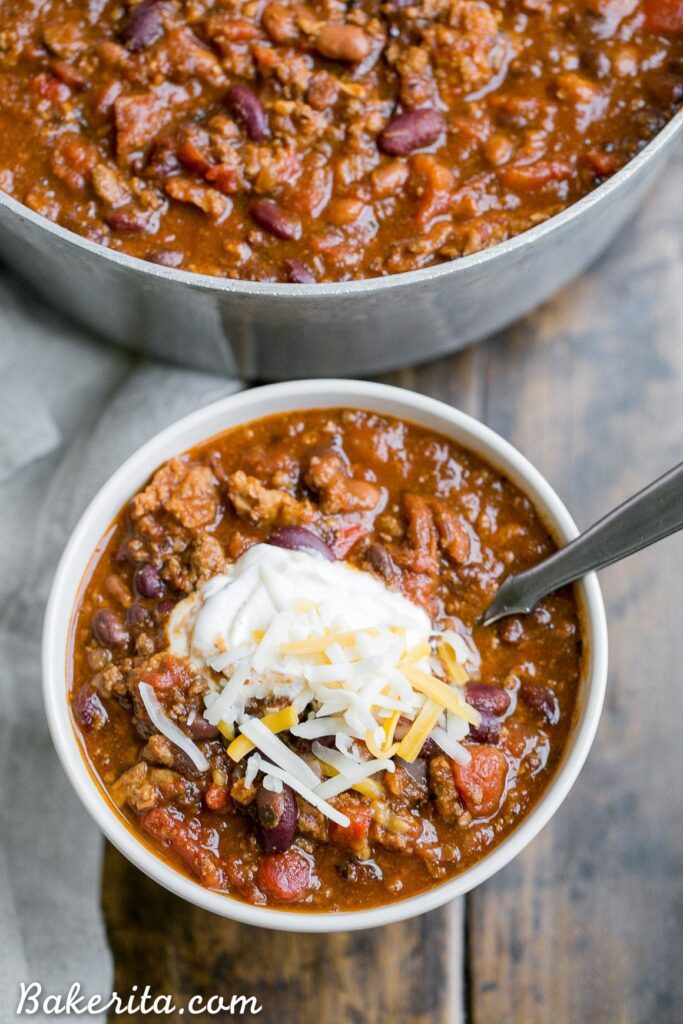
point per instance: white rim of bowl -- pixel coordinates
(201, 425)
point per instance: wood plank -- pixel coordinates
(587, 925)
(404, 972)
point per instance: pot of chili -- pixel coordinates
(263, 671)
(294, 189)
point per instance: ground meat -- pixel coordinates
(241, 793)
(311, 822)
(442, 785)
(188, 493)
(266, 506)
(327, 475)
(201, 560)
(431, 527)
(160, 751)
(142, 787)
(402, 785)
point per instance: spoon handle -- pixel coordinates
(653, 513)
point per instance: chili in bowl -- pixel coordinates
(263, 670)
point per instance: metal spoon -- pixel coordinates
(653, 513)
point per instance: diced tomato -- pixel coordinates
(355, 835)
(481, 783)
(665, 16)
(285, 877)
(168, 677)
(189, 840)
(217, 798)
(224, 177)
(191, 155)
(532, 177)
(50, 88)
(348, 534)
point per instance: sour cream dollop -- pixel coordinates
(240, 623)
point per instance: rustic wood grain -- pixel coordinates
(585, 927)
(409, 972)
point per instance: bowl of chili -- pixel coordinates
(243, 177)
(384, 519)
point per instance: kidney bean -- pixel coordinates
(166, 257)
(488, 730)
(148, 582)
(429, 748)
(338, 41)
(165, 608)
(137, 615)
(145, 25)
(249, 112)
(89, 709)
(273, 218)
(298, 538)
(297, 273)
(277, 817)
(541, 700)
(200, 729)
(383, 564)
(108, 629)
(410, 131)
(487, 699)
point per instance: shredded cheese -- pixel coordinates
(455, 670)
(442, 694)
(308, 794)
(276, 721)
(413, 741)
(352, 658)
(271, 746)
(370, 788)
(318, 644)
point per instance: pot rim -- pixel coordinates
(340, 289)
(202, 425)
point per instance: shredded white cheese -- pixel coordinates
(169, 728)
(334, 642)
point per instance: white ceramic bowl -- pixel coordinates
(229, 412)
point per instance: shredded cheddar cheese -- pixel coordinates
(276, 721)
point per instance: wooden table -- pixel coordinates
(587, 924)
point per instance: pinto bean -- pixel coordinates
(145, 25)
(277, 816)
(338, 41)
(541, 700)
(249, 112)
(108, 629)
(273, 218)
(491, 700)
(410, 131)
(298, 538)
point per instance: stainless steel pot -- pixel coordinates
(276, 331)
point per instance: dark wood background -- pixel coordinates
(587, 924)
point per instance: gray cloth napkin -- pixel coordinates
(71, 410)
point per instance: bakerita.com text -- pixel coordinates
(34, 999)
